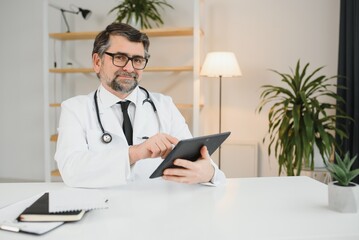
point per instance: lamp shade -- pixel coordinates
(85, 13)
(220, 64)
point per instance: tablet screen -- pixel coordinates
(190, 149)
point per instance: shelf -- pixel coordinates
(74, 35)
(169, 69)
(55, 173)
(168, 32)
(53, 138)
(185, 106)
(149, 69)
(179, 105)
(55, 104)
(163, 32)
(71, 70)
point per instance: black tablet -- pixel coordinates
(190, 149)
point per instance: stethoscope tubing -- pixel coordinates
(106, 137)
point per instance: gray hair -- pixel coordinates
(102, 40)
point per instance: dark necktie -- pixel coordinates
(126, 126)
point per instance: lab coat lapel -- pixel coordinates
(145, 122)
(110, 122)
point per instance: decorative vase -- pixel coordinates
(343, 199)
(318, 160)
(134, 23)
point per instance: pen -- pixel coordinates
(10, 228)
(144, 137)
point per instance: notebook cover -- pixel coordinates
(39, 211)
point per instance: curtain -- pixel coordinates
(348, 67)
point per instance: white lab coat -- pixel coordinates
(85, 161)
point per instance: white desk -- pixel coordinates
(256, 208)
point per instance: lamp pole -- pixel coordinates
(220, 118)
(64, 17)
(220, 64)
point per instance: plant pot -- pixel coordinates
(343, 199)
(134, 23)
(318, 160)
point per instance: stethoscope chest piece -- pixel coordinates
(106, 138)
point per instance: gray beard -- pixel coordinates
(124, 88)
(118, 87)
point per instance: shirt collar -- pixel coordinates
(108, 99)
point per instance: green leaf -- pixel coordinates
(299, 119)
(351, 162)
(353, 174)
(144, 11)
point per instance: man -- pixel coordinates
(104, 141)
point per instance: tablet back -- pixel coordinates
(190, 149)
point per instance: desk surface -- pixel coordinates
(248, 208)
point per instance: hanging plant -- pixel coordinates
(141, 12)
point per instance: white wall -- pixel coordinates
(21, 92)
(264, 34)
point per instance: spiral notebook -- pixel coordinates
(57, 203)
(72, 199)
(63, 206)
(39, 212)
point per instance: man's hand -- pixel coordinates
(159, 145)
(200, 171)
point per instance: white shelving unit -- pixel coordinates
(194, 31)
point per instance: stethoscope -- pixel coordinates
(106, 137)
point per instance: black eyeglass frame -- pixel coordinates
(112, 55)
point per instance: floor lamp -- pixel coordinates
(220, 65)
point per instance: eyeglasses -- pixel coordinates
(121, 60)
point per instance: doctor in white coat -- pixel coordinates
(92, 150)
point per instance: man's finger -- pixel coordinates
(177, 179)
(204, 152)
(183, 163)
(179, 172)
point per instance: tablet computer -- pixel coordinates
(190, 149)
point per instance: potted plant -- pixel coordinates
(299, 120)
(343, 195)
(141, 12)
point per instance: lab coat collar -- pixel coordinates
(108, 99)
